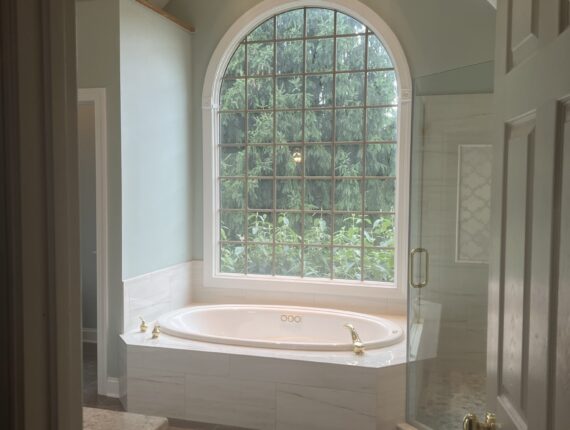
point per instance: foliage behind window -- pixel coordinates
(307, 151)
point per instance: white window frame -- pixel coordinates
(212, 277)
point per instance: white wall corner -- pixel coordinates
(113, 387)
(493, 3)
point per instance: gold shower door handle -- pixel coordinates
(470, 422)
(413, 253)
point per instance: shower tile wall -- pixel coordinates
(455, 379)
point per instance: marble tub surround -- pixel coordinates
(153, 294)
(258, 388)
(102, 419)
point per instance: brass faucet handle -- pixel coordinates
(156, 331)
(143, 326)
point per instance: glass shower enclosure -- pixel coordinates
(449, 235)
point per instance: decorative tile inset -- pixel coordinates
(473, 203)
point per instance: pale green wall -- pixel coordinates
(155, 133)
(98, 67)
(436, 35)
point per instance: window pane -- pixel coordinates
(232, 128)
(289, 194)
(379, 230)
(348, 195)
(346, 263)
(380, 195)
(260, 226)
(347, 25)
(349, 89)
(348, 160)
(289, 126)
(288, 228)
(289, 160)
(318, 126)
(260, 193)
(350, 53)
(263, 31)
(289, 92)
(232, 258)
(260, 93)
(289, 56)
(378, 57)
(260, 127)
(260, 161)
(317, 227)
(382, 88)
(288, 260)
(347, 230)
(320, 22)
(236, 66)
(259, 58)
(232, 226)
(231, 194)
(381, 159)
(317, 262)
(319, 91)
(381, 124)
(349, 125)
(232, 95)
(379, 265)
(232, 161)
(290, 24)
(318, 160)
(319, 57)
(318, 194)
(260, 259)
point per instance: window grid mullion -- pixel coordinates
(246, 161)
(333, 191)
(273, 256)
(365, 138)
(303, 146)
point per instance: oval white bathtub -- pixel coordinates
(280, 327)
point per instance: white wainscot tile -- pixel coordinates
(323, 375)
(391, 397)
(248, 404)
(307, 408)
(188, 362)
(156, 392)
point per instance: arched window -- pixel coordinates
(306, 154)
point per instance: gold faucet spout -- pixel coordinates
(357, 344)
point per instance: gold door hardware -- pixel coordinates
(143, 327)
(470, 422)
(156, 331)
(413, 253)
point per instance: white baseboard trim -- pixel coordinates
(113, 387)
(89, 335)
(404, 426)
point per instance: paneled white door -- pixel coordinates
(529, 290)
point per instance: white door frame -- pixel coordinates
(97, 96)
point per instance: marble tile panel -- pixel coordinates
(188, 362)
(228, 401)
(334, 376)
(308, 408)
(391, 408)
(156, 392)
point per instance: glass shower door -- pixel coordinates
(449, 232)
